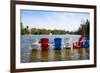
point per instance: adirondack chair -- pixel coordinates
(67, 43)
(86, 42)
(44, 44)
(35, 44)
(57, 43)
(78, 44)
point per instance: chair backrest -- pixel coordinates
(81, 38)
(67, 42)
(35, 41)
(79, 43)
(44, 44)
(86, 43)
(44, 41)
(57, 43)
(87, 39)
(57, 40)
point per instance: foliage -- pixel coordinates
(82, 30)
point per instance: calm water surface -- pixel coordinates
(30, 53)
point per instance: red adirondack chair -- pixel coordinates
(44, 43)
(79, 43)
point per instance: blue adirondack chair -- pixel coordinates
(57, 43)
(86, 42)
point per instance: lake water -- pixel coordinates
(33, 53)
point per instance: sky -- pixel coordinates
(68, 21)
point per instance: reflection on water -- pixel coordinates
(44, 56)
(34, 56)
(31, 54)
(56, 55)
(68, 54)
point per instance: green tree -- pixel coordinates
(84, 28)
(22, 29)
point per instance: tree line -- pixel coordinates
(82, 30)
